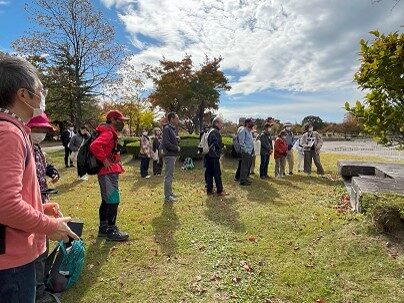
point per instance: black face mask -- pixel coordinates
(119, 126)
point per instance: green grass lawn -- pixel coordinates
(280, 240)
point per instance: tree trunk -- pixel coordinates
(201, 111)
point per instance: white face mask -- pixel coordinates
(42, 105)
(37, 137)
(288, 128)
(145, 134)
(310, 129)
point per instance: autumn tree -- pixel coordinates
(190, 92)
(79, 43)
(350, 125)
(381, 74)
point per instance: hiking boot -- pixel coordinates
(114, 234)
(102, 231)
(291, 174)
(246, 183)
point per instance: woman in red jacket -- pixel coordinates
(281, 151)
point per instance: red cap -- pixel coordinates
(40, 121)
(116, 114)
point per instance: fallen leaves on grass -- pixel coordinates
(246, 266)
(113, 250)
(344, 204)
(252, 238)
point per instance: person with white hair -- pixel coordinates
(212, 158)
(290, 141)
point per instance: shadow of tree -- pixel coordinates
(221, 211)
(164, 228)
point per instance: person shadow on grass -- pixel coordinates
(164, 228)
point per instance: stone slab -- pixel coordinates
(360, 186)
(348, 169)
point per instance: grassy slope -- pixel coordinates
(199, 250)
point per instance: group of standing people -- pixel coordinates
(253, 146)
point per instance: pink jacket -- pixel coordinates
(21, 209)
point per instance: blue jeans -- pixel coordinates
(18, 284)
(264, 165)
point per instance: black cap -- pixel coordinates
(249, 120)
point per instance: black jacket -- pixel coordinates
(215, 144)
(170, 141)
(266, 143)
(65, 137)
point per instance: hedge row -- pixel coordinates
(385, 210)
(188, 144)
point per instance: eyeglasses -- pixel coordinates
(44, 92)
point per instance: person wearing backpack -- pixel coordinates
(145, 154)
(312, 142)
(104, 148)
(245, 140)
(24, 220)
(212, 158)
(266, 150)
(75, 144)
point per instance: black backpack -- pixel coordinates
(86, 162)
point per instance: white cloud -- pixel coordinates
(293, 45)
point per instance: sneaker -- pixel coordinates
(148, 177)
(209, 193)
(83, 178)
(102, 231)
(114, 234)
(246, 183)
(291, 174)
(174, 196)
(170, 200)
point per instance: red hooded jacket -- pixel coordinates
(104, 147)
(281, 148)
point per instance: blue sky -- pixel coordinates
(286, 59)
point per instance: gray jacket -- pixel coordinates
(290, 140)
(245, 139)
(170, 141)
(75, 142)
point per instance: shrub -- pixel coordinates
(188, 143)
(385, 210)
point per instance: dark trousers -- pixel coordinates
(144, 166)
(158, 166)
(67, 156)
(213, 172)
(264, 165)
(109, 188)
(40, 272)
(310, 156)
(245, 167)
(17, 285)
(237, 176)
(108, 213)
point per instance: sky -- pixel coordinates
(284, 58)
